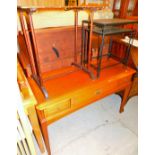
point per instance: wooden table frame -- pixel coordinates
(44, 123)
(25, 13)
(45, 105)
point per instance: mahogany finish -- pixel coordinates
(73, 91)
(68, 87)
(51, 66)
(91, 15)
(28, 43)
(49, 37)
(118, 49)
(123, 10)
(26, 12)
(23, 55)
(64, 43)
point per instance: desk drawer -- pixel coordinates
(94, 93)
(113, 83)
(57, 108)
(87, 96)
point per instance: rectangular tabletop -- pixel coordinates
(111, 22)
(77, 80)
(110, 30)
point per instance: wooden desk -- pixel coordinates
(76, 90)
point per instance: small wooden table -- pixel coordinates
(76, 90)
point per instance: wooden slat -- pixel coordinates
(25, 126)
(19, 127)
(19, 143)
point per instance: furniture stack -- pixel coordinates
(74, 78)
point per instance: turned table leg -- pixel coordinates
(125, 97)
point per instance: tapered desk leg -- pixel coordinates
(35, 125)
(44, 128)
(125, 97)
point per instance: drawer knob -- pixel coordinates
(98, 92)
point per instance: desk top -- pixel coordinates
(74, 81)
(110, 30)
(108, 26)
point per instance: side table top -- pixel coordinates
(112, 22)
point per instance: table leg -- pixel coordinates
(91, 16)
(35, 125)
(100, 57)
(44, 128)
(76, 39)
(125, 97)
(110, 47)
